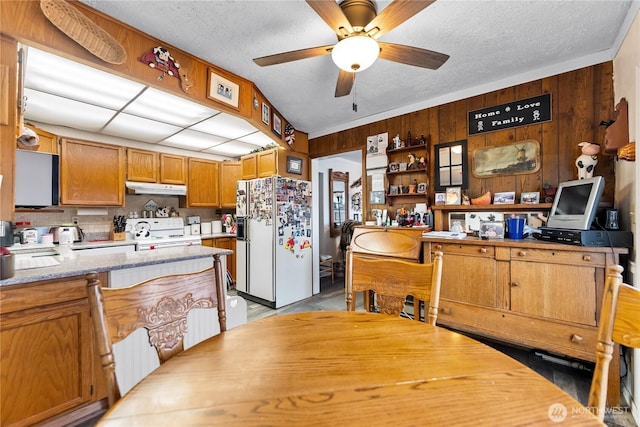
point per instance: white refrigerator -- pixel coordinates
(274, 254)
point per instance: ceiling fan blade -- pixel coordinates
(345, 83)
(331, 13)
(395, 14)
(412, 55)
(294, 55)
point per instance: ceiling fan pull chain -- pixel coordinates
(354, 105)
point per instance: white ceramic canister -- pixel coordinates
(195, 229)
(205, 228)
(216, 227)
(187, 230)
(65, 236)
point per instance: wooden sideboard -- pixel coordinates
(537, 294)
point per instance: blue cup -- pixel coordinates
(515, 228)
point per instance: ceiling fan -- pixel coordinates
(358, 26)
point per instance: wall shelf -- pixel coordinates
(441, 220)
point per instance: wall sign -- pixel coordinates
(513, 114)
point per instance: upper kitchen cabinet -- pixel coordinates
(275, 162)
(150, 166)
(8, 120)
(202, 184)
(91, 174)
(47, 141)
(230, 173)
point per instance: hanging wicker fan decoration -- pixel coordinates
(83, 31)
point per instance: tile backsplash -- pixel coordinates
(98, 226)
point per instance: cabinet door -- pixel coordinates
(173, 169)
(203, 187)
(556, 291)
(46, 351)
(230, 173)
(208, 242)
(48, 142)
(8, 118)
(468, 278)
(91, 173)
(142, 165)
(249, 167)
(267, 163)
(228, 243)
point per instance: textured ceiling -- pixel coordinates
(492, 44)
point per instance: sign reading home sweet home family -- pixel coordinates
(514, 114)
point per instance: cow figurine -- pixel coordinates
(588, 160)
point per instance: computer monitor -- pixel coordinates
(575, 204)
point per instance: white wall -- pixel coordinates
(626, 84)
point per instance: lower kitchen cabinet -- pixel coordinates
(225, 243)
(50, 367)
(537, 294)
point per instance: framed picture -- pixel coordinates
(394, 167)
(403, 166)
(440, 198)
(276, 126)
(531, 198)
(454, 196)
(377, 197)
(513, 159)
(491, 230)
(266, 113)
(422, 188)
(394, 190)
(223, 90)
(507, 198)
(450, 163)
(294, 165)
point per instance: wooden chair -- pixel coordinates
(326, 266)
(619, 323)
(388, 262)
(159, 305)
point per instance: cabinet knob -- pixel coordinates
(522, 253)
(445, 310)
(483, 250)
(577, 338)
(515, 284)
(586, 257)
(438, 246)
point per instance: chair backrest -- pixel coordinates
(160, 305)
(619, 323)
(386, 262)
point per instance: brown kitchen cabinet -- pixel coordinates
(150, 166)
(91, 173)
(260, 165)
(47, 141)
(50, 366)
(202, 183)
(538, 294)
(225, 243)
(230, 173)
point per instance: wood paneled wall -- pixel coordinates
(581, 99)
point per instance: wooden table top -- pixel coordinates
(344, 368)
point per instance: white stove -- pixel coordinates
(159, 233)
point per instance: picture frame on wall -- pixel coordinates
(277, 125)
(453, 196)
(223, 90)
(294, 165)
(266, 113)
(377, 198)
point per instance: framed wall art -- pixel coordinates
(276, 125)
(294, 165)
(266, 113)
(440, 198)
(223, 90)
(422, 188)
(454, 196)
(512, 159)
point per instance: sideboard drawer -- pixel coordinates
(476, 250)
(559, 257)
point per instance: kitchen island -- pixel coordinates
(50, 368)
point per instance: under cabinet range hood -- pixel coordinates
(161, 189)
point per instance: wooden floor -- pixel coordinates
(572, 376)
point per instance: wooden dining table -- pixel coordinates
(331, 368)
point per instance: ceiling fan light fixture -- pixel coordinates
(355, 53)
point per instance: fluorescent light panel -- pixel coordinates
(140, 129)
(225, 125)
(257, 138)
(191, 139)
(232, 148)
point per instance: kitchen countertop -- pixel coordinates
(75, 263)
